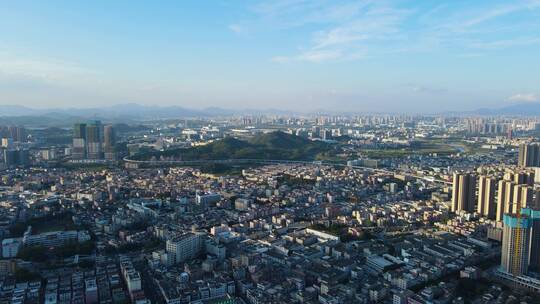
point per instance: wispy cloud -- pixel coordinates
(45, 70)
(491, 14)
(310, 56)
(506, 43)
(320, 55)
(280, 59)
(366, 24)
(524, 97)
(236, 28)
(429, 90)
(338, 29)
(294, 13)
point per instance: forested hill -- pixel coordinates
(275, 145)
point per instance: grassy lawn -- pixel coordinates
(54, 225)
(425, 147)
(46, 224)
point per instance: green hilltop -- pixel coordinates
(274, 145)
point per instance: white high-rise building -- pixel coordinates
(185, 247)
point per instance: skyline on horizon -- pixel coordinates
(294, 55)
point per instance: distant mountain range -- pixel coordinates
(16, 114)
(125, 113)
(119, 110)
(525, 109)
(130, 110)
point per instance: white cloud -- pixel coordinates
(320, 55)
(338, 29)
(236, 28)
(524, 97)
(348, 28)
(491, 14)
(280, 59)
(338, 36)
(501, 44)
(46, 70)
(428, 90)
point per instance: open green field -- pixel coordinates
(424, 148)
(45, 224)
(52, 224)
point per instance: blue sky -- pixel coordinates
(412, 56)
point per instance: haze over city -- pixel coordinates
(402, 56)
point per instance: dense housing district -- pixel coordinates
(368, 209)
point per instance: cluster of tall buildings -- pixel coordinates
(512, 200)
(323, 133)
(94, 141)
(12, 150)
(529, 155)
(13, 133)
(481, 126)
(493, 196)
(17, 157)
